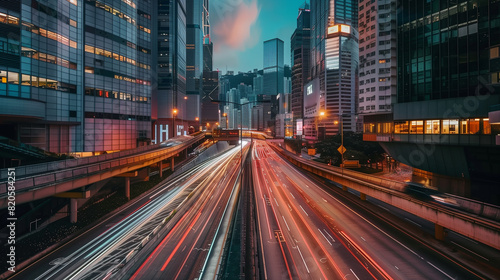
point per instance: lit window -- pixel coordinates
(381, 61)
(416, 127)
(494, 53)
(486, 126)
(432, 127)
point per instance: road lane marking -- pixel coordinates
(468, 239)
(363, 238)
(303, 259)
(292, 196)
(437, 268)
(325, 237)
(469, 250)
(276, 202)
(396, 267)
(303, 210)
(383, 208)
(415, 223)
(329, 235)
(285, 223)
(354, 274)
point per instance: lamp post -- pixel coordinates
(174, 114)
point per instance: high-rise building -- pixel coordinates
(447, 112)
(377, 58)
(75, 76)
(273, 66)
(194, 59)
(334, 63)
(300, 52)
(169, 108)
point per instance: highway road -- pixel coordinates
(335, 240)
(182, 253)
(95, 253)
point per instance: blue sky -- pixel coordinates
(239, 28)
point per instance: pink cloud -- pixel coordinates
(234, 29)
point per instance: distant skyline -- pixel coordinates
(239, 28)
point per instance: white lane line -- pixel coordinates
(437, 268)
(292, 196)
(303, 210)
(469, 250)
(307, 186)
(285, 223)
(289, 207)
(325, 200)
(329, 235)
(413, 222)
(276, 202)
(363, 238)
(325, 237)
(354, 274)
(383, 208)
(468, 239)
(303, 259)
(396, 267)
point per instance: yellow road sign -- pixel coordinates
(341, 149)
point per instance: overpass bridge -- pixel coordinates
(481, 222)
(65, 177)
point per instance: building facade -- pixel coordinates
(334, 63)
(300, 52)
(169, 97)
(447, 115)
(69, 85)
(377, 57)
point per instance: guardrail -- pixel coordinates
(47, 174)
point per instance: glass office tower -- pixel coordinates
(70, 83)
(447, 115)
(274, 71)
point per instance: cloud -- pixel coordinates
(236, 27)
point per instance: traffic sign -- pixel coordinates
(341, 149)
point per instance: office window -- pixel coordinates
(450, 127)
(486, 126)
(416, 127)
(401, 127)
(432, 126)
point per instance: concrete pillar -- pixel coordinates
(172, 164)
(73, 208)
(439, 232)
(362, 196)
(344, 188)
(160, 164)
(127, 187)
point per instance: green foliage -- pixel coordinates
(357, 149)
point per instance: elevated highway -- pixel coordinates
(37, 181)
(482, 226)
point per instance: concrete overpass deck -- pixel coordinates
(38, 181)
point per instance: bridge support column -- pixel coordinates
(160, 164)
(172, 164)
(439, 232)
(362, 196)
(73, 208)
(344, 188)
(127, 187)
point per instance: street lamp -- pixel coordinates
(174, 114)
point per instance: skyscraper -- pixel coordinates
(300, 52)
(377, 69)
(194, 59)
(72, 83)
(169, 104)
(334, 63)
(447, 111)
(273, 66)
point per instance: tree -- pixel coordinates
(356, 149)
